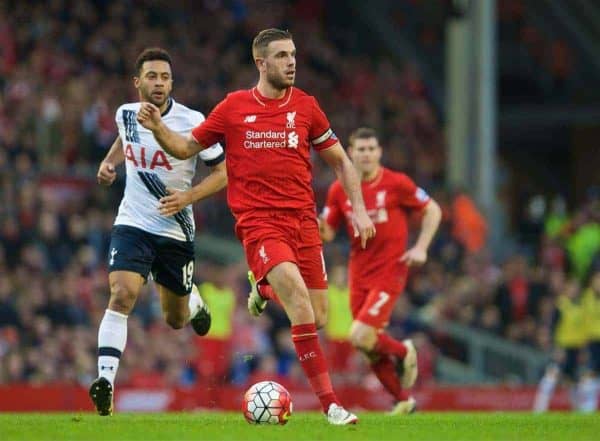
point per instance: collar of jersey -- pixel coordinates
(376, 179)
(264, 101)
(169, 107)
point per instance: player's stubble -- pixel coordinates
(146, 95)
(280, 80)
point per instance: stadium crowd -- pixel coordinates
(64, 69)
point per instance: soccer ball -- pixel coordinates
(267, 402)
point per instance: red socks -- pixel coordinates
(313, 363)
(267, 293)
(389, 346)
(385, 371)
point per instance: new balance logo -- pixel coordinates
(112, 256)
(250, 118)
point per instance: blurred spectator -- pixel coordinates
(339, 350)
(469, 225)
(214, 350)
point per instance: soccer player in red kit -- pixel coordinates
(378, 272)
(268, 132)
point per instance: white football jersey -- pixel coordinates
(150, 170)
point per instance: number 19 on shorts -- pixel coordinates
(188, 274)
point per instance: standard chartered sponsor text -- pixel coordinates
(268, 139)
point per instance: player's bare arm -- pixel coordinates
(106, 171)
(417, 255)
(172, 142)
(178, 200)
(337, 158)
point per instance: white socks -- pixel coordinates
(195, 301)
(112, 337)
(544, 392)
(588, 395)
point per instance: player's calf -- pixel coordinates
(175, 321)
(407, 367)
(363, 337)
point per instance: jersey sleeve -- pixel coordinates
(123, 133)
(212, 155)
(332, 213)
(409, 194)
(212, 130)
(119, 117)
(321, 136)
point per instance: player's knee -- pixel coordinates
(175, 321)
(362, 340)
(122, 298)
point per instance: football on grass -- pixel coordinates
(267, 402)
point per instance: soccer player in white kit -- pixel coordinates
(153, 232)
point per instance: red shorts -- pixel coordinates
(374, 305)
(283, 236)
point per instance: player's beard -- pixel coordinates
(279, 81)
(157, 102)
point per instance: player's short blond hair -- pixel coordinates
(362, 133)
(264, 37)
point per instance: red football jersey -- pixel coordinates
(267, 145)
(388, 199)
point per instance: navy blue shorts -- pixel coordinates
(170, 261)
(594, 352)
(570, 363)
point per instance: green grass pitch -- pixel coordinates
(205, 426)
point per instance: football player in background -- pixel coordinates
(589, 385)
(377, 273)
(154, 229)
(568, 323)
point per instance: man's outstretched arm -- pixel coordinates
(417, 255)
(178, 200)
(172, 142)
(337, 158)
(106, 170)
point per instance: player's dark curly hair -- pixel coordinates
(264, 37)
(151, 54)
